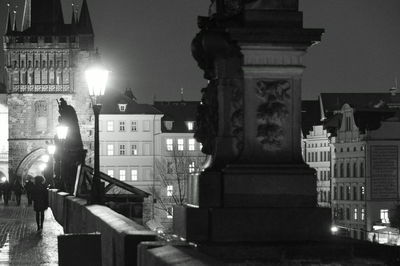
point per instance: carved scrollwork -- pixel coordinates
(237, 116)
(207, 118)
(272, 113)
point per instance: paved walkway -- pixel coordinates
(20, 243)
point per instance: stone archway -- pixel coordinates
(28, 161)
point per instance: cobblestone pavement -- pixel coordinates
(20, 243)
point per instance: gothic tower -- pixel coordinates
(45, 59)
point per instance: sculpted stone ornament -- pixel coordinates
(271, 114)
(207, 118)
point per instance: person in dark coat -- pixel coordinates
(40, 200)
(17, 187)
(6, 188)
(28, 188)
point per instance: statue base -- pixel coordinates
(253, 203)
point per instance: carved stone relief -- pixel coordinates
(237, 116)
(272, 113)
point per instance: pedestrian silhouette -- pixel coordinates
(40, 200)
(6, 189)
(28, 188)
(17, 188)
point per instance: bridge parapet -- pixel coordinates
(120, 236)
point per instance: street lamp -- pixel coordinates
(62, 132)
(96, 78)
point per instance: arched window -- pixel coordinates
(342, 170)
(58, 77)
(15, 77)
(354, 169)
(348, 174)
(40, 116)
(23, 77)
(44, 76)
(51, 76)
(30, 77)
(361, 169)
(37, 76)
(66, 76)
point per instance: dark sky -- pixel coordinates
(146, 45)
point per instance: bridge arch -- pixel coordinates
(29, 163)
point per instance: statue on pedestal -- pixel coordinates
(70, 152)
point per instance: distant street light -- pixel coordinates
(51, 149)
(42, 167)
(96, 77)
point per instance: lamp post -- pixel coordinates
(62, 132)
(51, 149)
(96, 77)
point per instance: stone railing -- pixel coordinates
(120, 236)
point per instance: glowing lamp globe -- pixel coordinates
(45, 158)
(51, 149)
(42, 167)
(62, 132)
(96, 78)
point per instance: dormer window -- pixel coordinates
(168, 124)
(122, 107)
(190, 125)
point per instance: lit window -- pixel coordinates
(181, 145)
(385, 216)
(122, 107)
(170, 190)
(133, 126)
(362, 214)
(110, 172)
(146, 125)
(190, 125)
(122, 149)
(110, 125)
(192, 144)
(170, 212)
(122, 175)
(355, 213)
(134, 149)
(362, 193)
(122, 126)
(170, 144)
(191, 167)
(200, 146)
(134, 174)
(110, 149)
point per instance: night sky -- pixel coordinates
(146, 45)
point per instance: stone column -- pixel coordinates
(257, 187)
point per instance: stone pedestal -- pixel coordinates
(257, 187)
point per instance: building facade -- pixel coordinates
(127, 140)
(317, 154)
(44, 60)
(178, 157)
(348, 181)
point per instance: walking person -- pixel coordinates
(28, 188)
(40, 200)
(17, 187)
(6, 189)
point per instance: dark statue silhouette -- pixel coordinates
(69, 153)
